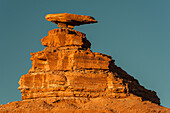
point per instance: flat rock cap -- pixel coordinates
(69, 19)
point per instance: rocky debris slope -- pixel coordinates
(132, 104)
(68, 77)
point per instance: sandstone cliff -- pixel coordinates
(68, 77)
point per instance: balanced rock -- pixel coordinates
(68, 77)
(66, 20)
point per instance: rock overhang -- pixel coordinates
(67, 20)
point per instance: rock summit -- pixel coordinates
(66, 20)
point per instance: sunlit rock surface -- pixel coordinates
(68, 77)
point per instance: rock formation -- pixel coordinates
(65, 20)
(67, 76)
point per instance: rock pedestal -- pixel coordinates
(67, 68)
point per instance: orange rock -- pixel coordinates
(68, 68)
(68, 77)
(65, 37)
(53, 59)
(70, 84)
(69, 20)
(132, 104)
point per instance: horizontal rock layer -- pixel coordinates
(87, 84)
(52, 59)
(70, 19)
(65, 38)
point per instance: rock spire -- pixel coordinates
(68, 68)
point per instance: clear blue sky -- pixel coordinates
(136, 33)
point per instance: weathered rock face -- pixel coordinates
(68, 68)
(65, 38)
(68, 71)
